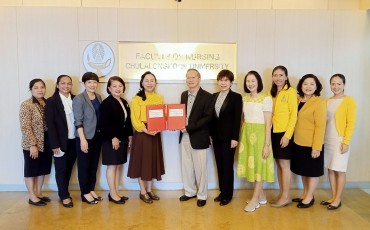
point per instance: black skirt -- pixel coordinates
(303, 164)
(146, 157)
(278, 152)
(37, 167)
(111, 156)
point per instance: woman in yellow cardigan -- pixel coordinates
(284, 117)
(308, 158)
(341, 119)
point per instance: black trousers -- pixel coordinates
(224, 156)
(87, 163)
(63, 169)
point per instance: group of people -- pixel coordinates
(286, 125)
(297, 130)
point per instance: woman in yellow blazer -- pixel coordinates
(308, 156)
(341, 120)
(284, 117)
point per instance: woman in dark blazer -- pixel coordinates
(117, 132)
(61, 129)
(86, 111)
(225, 128)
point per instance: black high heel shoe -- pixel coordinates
(303, 205)
(332, 207)
(37, 203)
(87, 201)
(324, 202)
(67, 205)
(99, 198)
(120, 201)
(45, 199)
(297, 200)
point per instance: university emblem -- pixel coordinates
(98, 58)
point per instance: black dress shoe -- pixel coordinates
(303, 205)
(99, 198)
(297, 200)
(218, 198)
(38, 203)
(185, 197)
(124, 198)
(332, 207)
(67, 205)
(45, 199)
(201, 203)
(324, 202)
(87, 201)
(120, 201)
(224, 202)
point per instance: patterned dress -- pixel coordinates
(251, 165)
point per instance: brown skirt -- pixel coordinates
(146, 158)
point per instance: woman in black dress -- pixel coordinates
(116, 135)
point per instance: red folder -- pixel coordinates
(155, 117)
(176, 116)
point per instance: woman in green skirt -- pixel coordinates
(255, 161)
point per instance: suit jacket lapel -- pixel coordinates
(214, 102)
(224, 105)
(88, 100)
(197, 98)
(309, 103)
(60, 107)
(118, 105)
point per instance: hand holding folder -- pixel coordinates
(176, 116)
(169, 117)
(155, 116)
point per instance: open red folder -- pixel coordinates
(176, 116)
(156, 119)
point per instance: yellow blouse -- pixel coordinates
(284, 115)
(138, 109)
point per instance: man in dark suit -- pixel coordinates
(194, 138)
(225, 127)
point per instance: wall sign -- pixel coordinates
(169, 61)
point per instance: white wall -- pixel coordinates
(46, 42)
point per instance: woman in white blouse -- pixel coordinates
(61, 130)
(255, 162)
